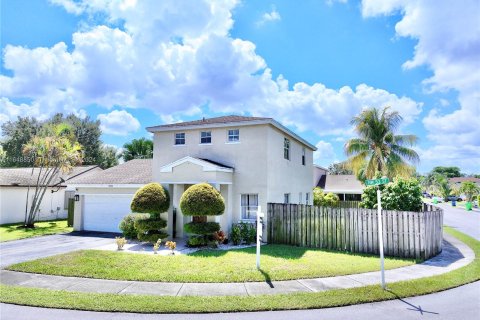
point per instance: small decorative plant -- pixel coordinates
(219, 236)
(157, 245)
(236, 235)
(171, 245)
(120, 242)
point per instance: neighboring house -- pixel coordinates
(319, 174)
(104, 198)
(14, 184)
(346, 186)
(250, 160)
(457, 182)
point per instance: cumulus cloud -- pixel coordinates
(271, 16)
(174, 57)
(324, 153)
(448, 43)
(118, 122)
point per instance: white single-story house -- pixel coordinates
(251, 160)
(14, 184)
(346, 186)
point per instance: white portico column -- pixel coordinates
(229, 208)
(177, 194)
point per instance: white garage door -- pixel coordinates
(104, 212)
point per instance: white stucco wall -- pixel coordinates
(12, 204)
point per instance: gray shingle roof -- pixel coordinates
(216, 120)
(24, 176)
(138, 171)
(342, 183)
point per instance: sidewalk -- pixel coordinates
(455, 254)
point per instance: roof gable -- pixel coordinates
(207, 165)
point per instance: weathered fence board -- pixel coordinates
(353, 229)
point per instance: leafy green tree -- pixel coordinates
(449, 172)
(338, 168)
(324, 200)
(378, 149)
(401, 194)
(470, 189)
(87, 132)
(53, 151)
(441, 186)
(15, 135)
(138, 149)
(108, 157)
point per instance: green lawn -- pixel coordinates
(13, 232)
(194, 304)
(279, 262)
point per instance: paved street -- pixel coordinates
(458, 218)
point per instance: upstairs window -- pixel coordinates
(307, 198)
(286, 149)
(179, 138)
(303, 156)
(234, 135)
(205, 137)
(286, 198)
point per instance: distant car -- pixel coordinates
(456, 198)
(426, 195)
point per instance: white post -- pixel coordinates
(259, 234)
(380, 236)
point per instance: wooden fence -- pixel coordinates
(405, 234)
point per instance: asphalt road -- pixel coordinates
(458, 303)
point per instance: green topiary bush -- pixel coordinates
(197, 241)
(127, 224)
(202, 228)
(202, 200)
(152, 198)
(236, 235)
(248, 232)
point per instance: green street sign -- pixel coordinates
(376, 182)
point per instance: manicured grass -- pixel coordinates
(279, 262)
(333, 298)
(13, 232)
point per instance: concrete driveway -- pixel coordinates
(33, 248)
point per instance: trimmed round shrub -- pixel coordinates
(202, 200)
(151, 198)
(150, 224)
(197, 241)
(127, 224)
(201, 227)
(149, 228)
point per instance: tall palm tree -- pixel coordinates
(378, 150)
(138, 149)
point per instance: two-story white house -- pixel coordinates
(250, 160)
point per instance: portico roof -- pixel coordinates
(206, 164)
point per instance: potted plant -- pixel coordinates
(120, 242)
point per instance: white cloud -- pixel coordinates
(448, 44)
(118, 122)
(271, 16)
(324, 154)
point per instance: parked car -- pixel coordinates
(456, 198)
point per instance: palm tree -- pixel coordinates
(138, 149)
(441, 186)
(470, 189)
(378, 150)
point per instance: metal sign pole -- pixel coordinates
(259, 234)
(380, 236)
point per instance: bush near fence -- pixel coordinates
(416, 235)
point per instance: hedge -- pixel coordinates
(127, 224)
(203, 228)
(202, 200)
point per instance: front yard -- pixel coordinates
(13, 232)
(279, 262)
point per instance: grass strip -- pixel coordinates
(194, 304)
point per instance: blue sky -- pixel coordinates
(310, 64)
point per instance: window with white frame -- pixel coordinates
(303, 156)
(307, 198)
(234, 135)
(286, 198)
(205, 137)
(179, 138)
(249, 206)
(286, 149)
(68, 195)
